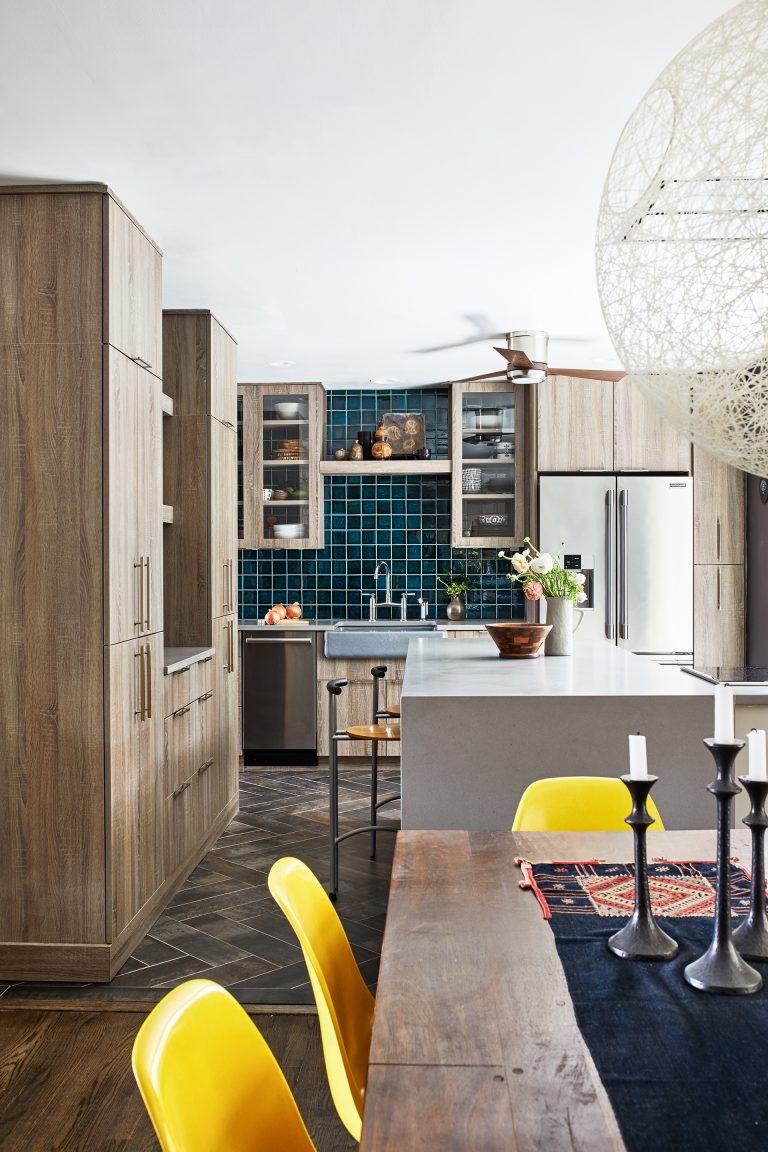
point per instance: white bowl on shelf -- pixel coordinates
(288, 531)
(287, 411)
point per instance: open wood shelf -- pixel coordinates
(385, 467)
(166, 403)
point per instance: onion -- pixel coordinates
(272, 617)
(279, 610)
(293, 611)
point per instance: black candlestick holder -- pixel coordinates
(721, 969)
(641, 938)
(751, 937)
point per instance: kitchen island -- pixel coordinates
(476, 730)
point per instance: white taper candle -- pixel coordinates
(638, 763)
(756, 751)
(723, 714)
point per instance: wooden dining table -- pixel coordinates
(475, 1043)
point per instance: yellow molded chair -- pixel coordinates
(344, 1004)
(578, 804)
(209, 1080)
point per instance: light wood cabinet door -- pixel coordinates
(223, 522)
(226, 698)
(150, 496)
(643, 440)
(125, 577)
(136, 794)
(575, 425)
(133, 315)
(718, 511)
(718, 614)
(223, 375)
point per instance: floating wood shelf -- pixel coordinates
(167, 514)
(385, 467)
(166, 402)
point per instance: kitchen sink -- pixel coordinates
(360, 640)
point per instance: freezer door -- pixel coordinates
(655, 563)
(577, 516)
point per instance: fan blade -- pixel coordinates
(516, 359)
(482, 338)
(586, 373)
(482, 376)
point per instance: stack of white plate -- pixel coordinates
(288, 531)
(471, 479)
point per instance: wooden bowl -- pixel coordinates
(516, 641)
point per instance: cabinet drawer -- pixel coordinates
(180, 823)
(184, 686)
(134, 304)
(180, 759)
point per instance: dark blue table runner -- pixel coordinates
(685, 1071)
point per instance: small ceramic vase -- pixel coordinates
(560, 615)
(356, 451)
(456, 609)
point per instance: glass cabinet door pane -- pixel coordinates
(285, 466)
(488, 465)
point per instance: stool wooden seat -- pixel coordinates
(393, 711)
(374, 731)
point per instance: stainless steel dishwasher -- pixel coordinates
(279, 689)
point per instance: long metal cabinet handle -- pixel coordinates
(140, 711)
(718, 537)
(623, 567)
(610, 559)
(225, 583)
(140, 622)
(149, 596)
(231, 585)
(231, 641)
(277, 640)
(149, 682)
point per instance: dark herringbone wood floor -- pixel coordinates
(224, 925)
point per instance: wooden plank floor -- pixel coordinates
(66, 1082)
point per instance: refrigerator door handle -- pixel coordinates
(623, 566)
(610, 574)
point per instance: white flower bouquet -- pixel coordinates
(542, 574)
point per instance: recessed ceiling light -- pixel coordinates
(281, 363)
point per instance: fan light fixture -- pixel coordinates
(682, 240)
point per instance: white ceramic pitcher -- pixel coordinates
(560, 611)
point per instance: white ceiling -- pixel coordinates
(342, 181)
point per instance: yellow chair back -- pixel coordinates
(578, 804)
(209, 1081)
(344, 1004)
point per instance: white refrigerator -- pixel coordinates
(632, 536)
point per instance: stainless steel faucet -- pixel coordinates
(387, 602)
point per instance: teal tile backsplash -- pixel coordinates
(404, 520)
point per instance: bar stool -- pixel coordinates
(377, 731)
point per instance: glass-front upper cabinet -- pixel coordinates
(488, 508)
(283, 433)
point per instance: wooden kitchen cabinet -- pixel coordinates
(719, 498)
(355, 704)
(136, 794)
(134, 461)
(575, 425)
(283, 437)
(718, 615)
(642, 439)
(488, 506)
(84, 812)
(134, 303)
(226, 698)
(200, 476)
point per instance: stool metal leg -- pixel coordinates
(374, 793)
(333, 786)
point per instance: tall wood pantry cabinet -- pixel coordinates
(83, 819)
(200, 454)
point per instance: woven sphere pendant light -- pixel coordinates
(682, 240)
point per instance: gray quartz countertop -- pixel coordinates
(174, 659)
(472, 669)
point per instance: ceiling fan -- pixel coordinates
(526, 353)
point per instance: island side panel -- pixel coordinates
(467, 761)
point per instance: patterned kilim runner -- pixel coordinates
(685, 1071)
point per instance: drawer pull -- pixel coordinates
(181, 788)
(207, 696)
(204, 767)
(179, 671)
(182, 711)
(205, 660)
(141, 361)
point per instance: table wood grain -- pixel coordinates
(475, 1043)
